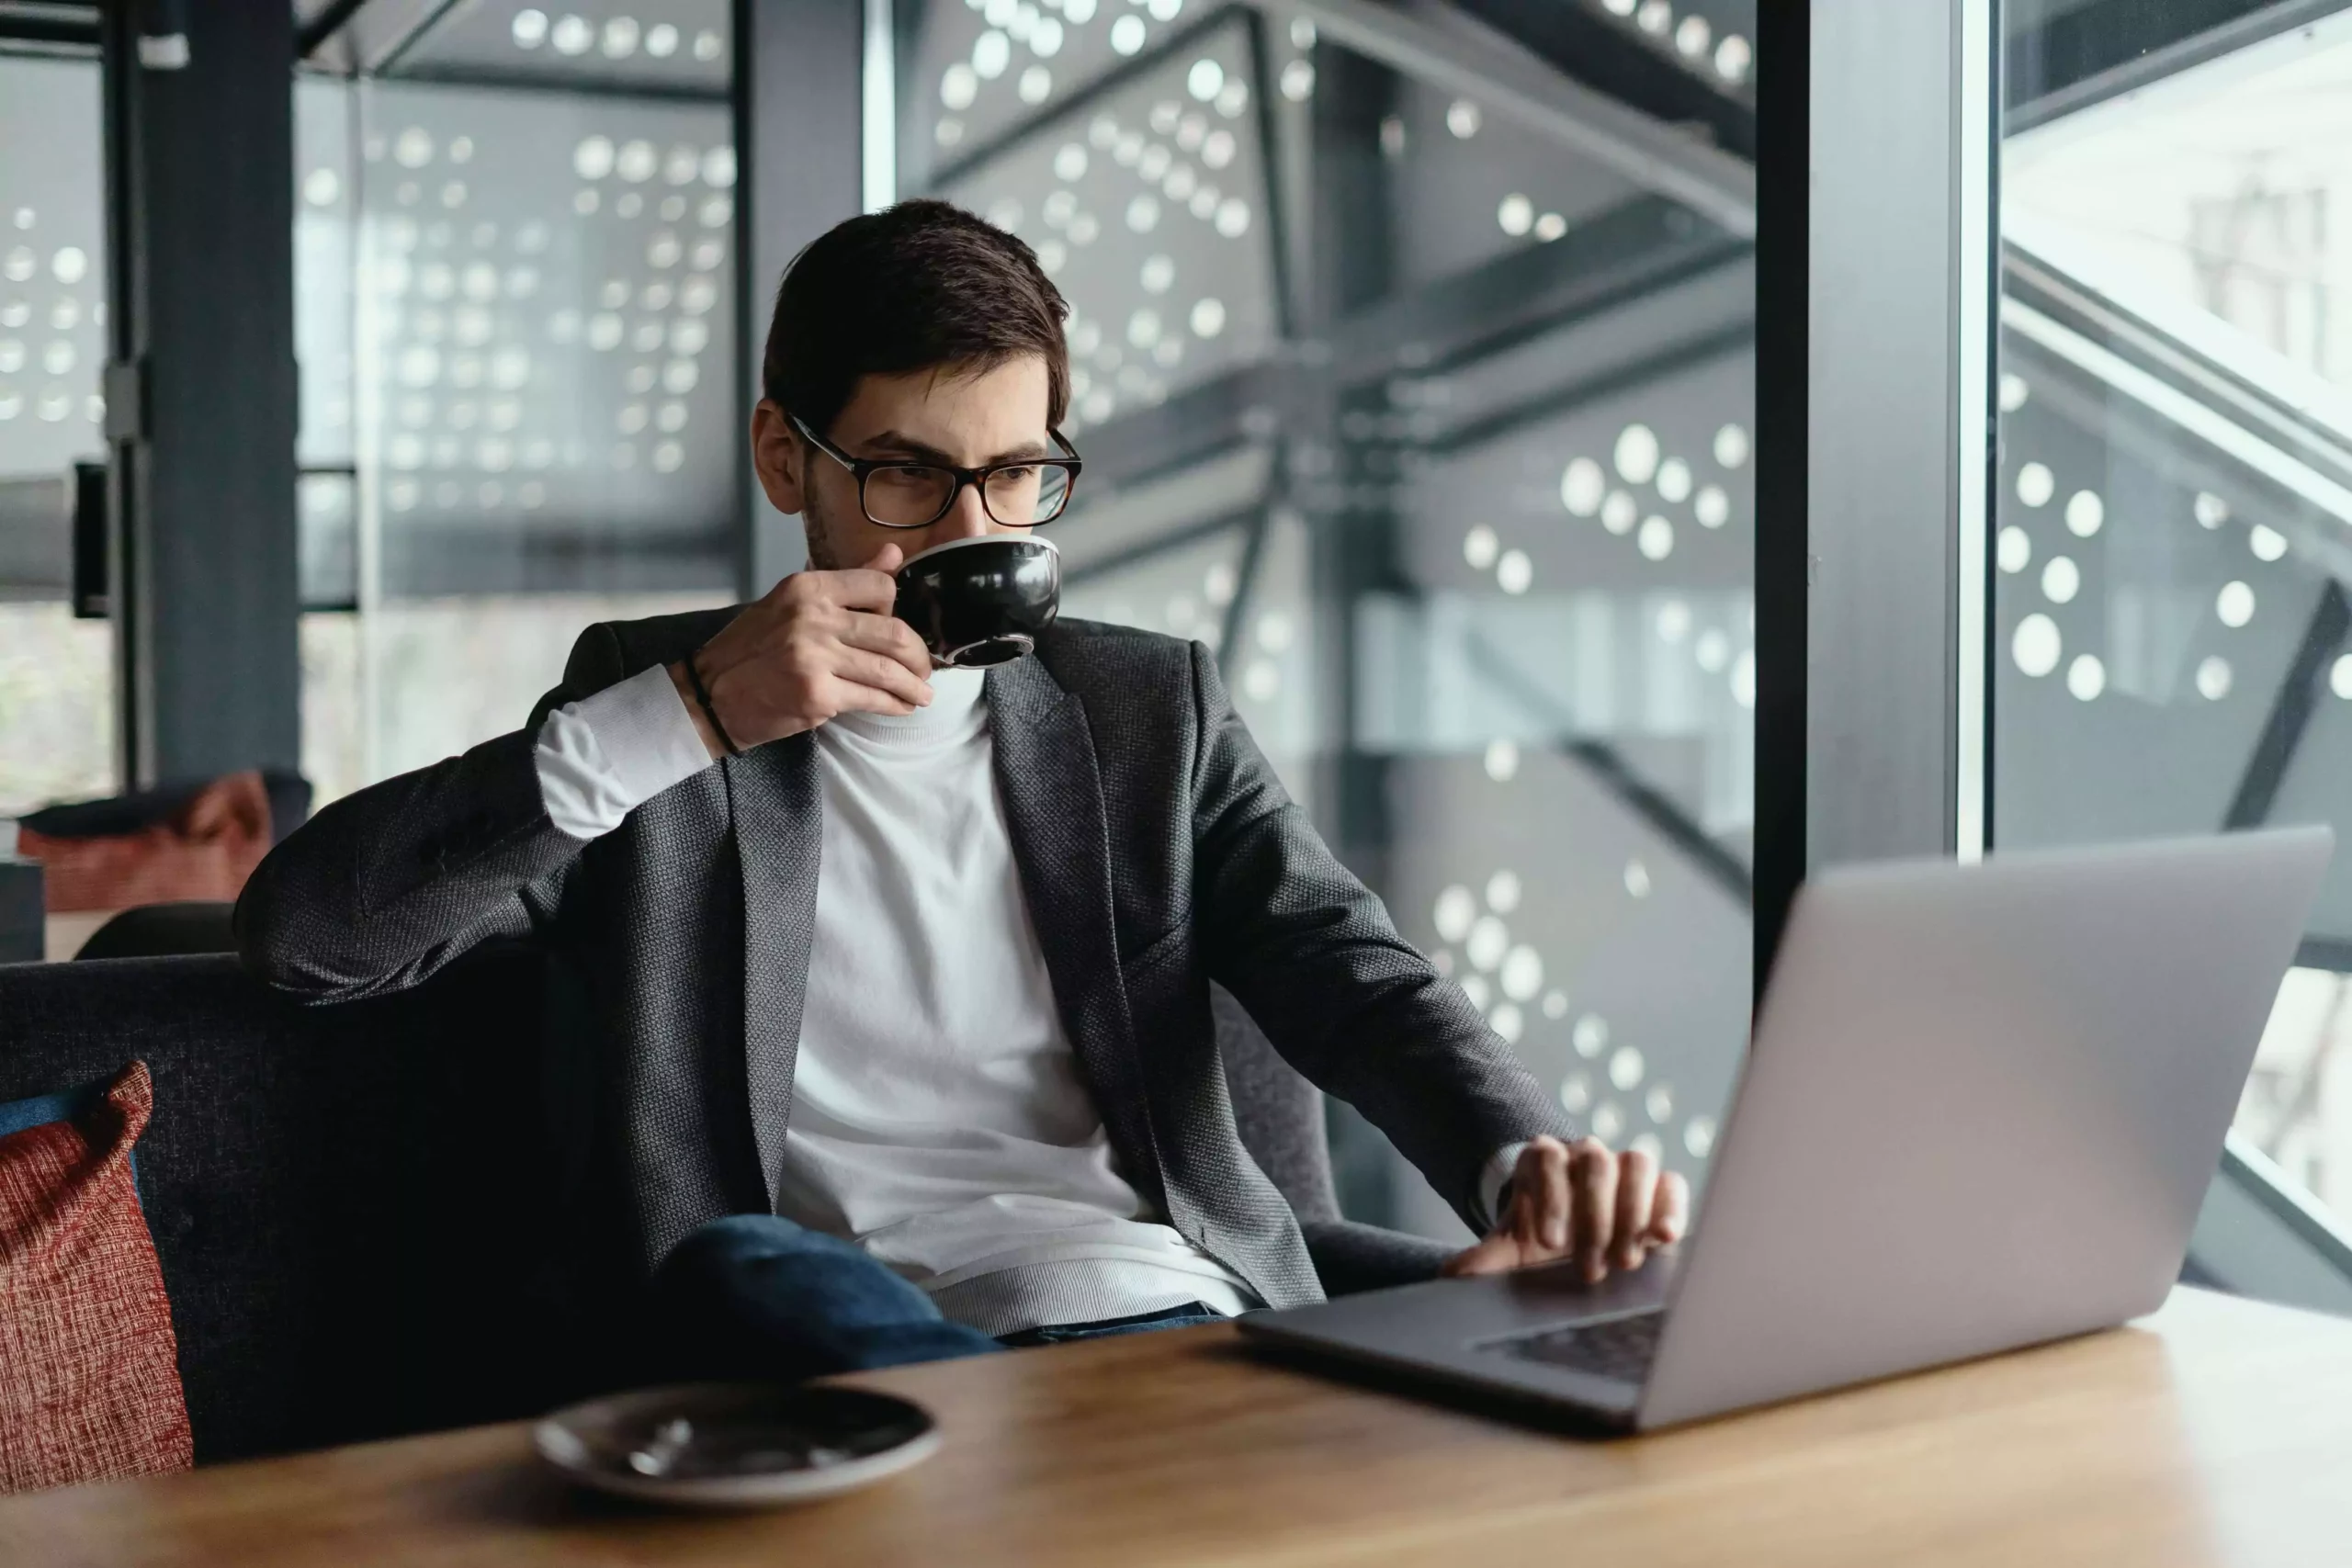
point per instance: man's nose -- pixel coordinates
(967, 519)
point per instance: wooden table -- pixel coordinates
(2217, 1432)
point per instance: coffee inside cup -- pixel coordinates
(981, 602)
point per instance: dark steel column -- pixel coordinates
(200, 396)
(1783, 367)
(798, 107)
(1351, 210)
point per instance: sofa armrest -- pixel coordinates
(1351, 1258)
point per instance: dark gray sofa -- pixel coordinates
(370, 1218)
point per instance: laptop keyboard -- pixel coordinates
(1618, 1347)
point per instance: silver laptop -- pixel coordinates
(1981, 1110)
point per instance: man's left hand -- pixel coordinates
(1579, 1201)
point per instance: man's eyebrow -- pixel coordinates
(896, 443)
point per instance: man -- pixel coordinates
(903, 973)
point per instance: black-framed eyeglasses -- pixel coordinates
(902, 492)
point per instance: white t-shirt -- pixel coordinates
(938, 1115)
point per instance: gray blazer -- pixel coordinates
(1158, 854)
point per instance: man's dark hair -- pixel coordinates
(919, 285)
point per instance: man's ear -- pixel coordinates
(778, 457)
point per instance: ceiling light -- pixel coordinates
(2036, 645)
(1636, 454)
(2036, 485)
(2234, 605)
(2084, 513)
(2061, 579)
(1582, 486)
(2014, 551)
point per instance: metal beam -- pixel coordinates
(1608, 766)
(1472, 60)
(2167, 345)
(2109, 48)
(2162, 391)
(2260, 1235)
(1653, 296)
(320, 23)
(2291, 710)
(1245, 589)
(362, 38)
(489, 78)
(49, 29)
(1639, 251)
(1614, 55)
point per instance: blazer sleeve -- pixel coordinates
(388, 885)
(1311, 952)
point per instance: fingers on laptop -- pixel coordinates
(1618, 1206)
(1489, 1254)
(1672, 1214)
(1543, 1176)
(1580, 1202)
(1593, 1202)
(1636, 1205)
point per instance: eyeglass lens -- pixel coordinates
(915, 496)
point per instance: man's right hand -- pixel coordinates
(820, 643)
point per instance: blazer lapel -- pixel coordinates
(1046, 776)
(779, 834)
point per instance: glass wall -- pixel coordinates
(56, 673)
(1435, 428)
(2172, 643)
(516, 312)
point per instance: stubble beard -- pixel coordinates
(822, 555)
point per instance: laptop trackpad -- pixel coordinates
(1459, 1314)
(1542, 1297)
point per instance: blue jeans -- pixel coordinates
(753, 1296)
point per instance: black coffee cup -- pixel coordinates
(980, 601)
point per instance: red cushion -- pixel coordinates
(89, 1368)
(205, 851)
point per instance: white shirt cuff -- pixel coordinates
(600, 758)
(1492, 1178)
